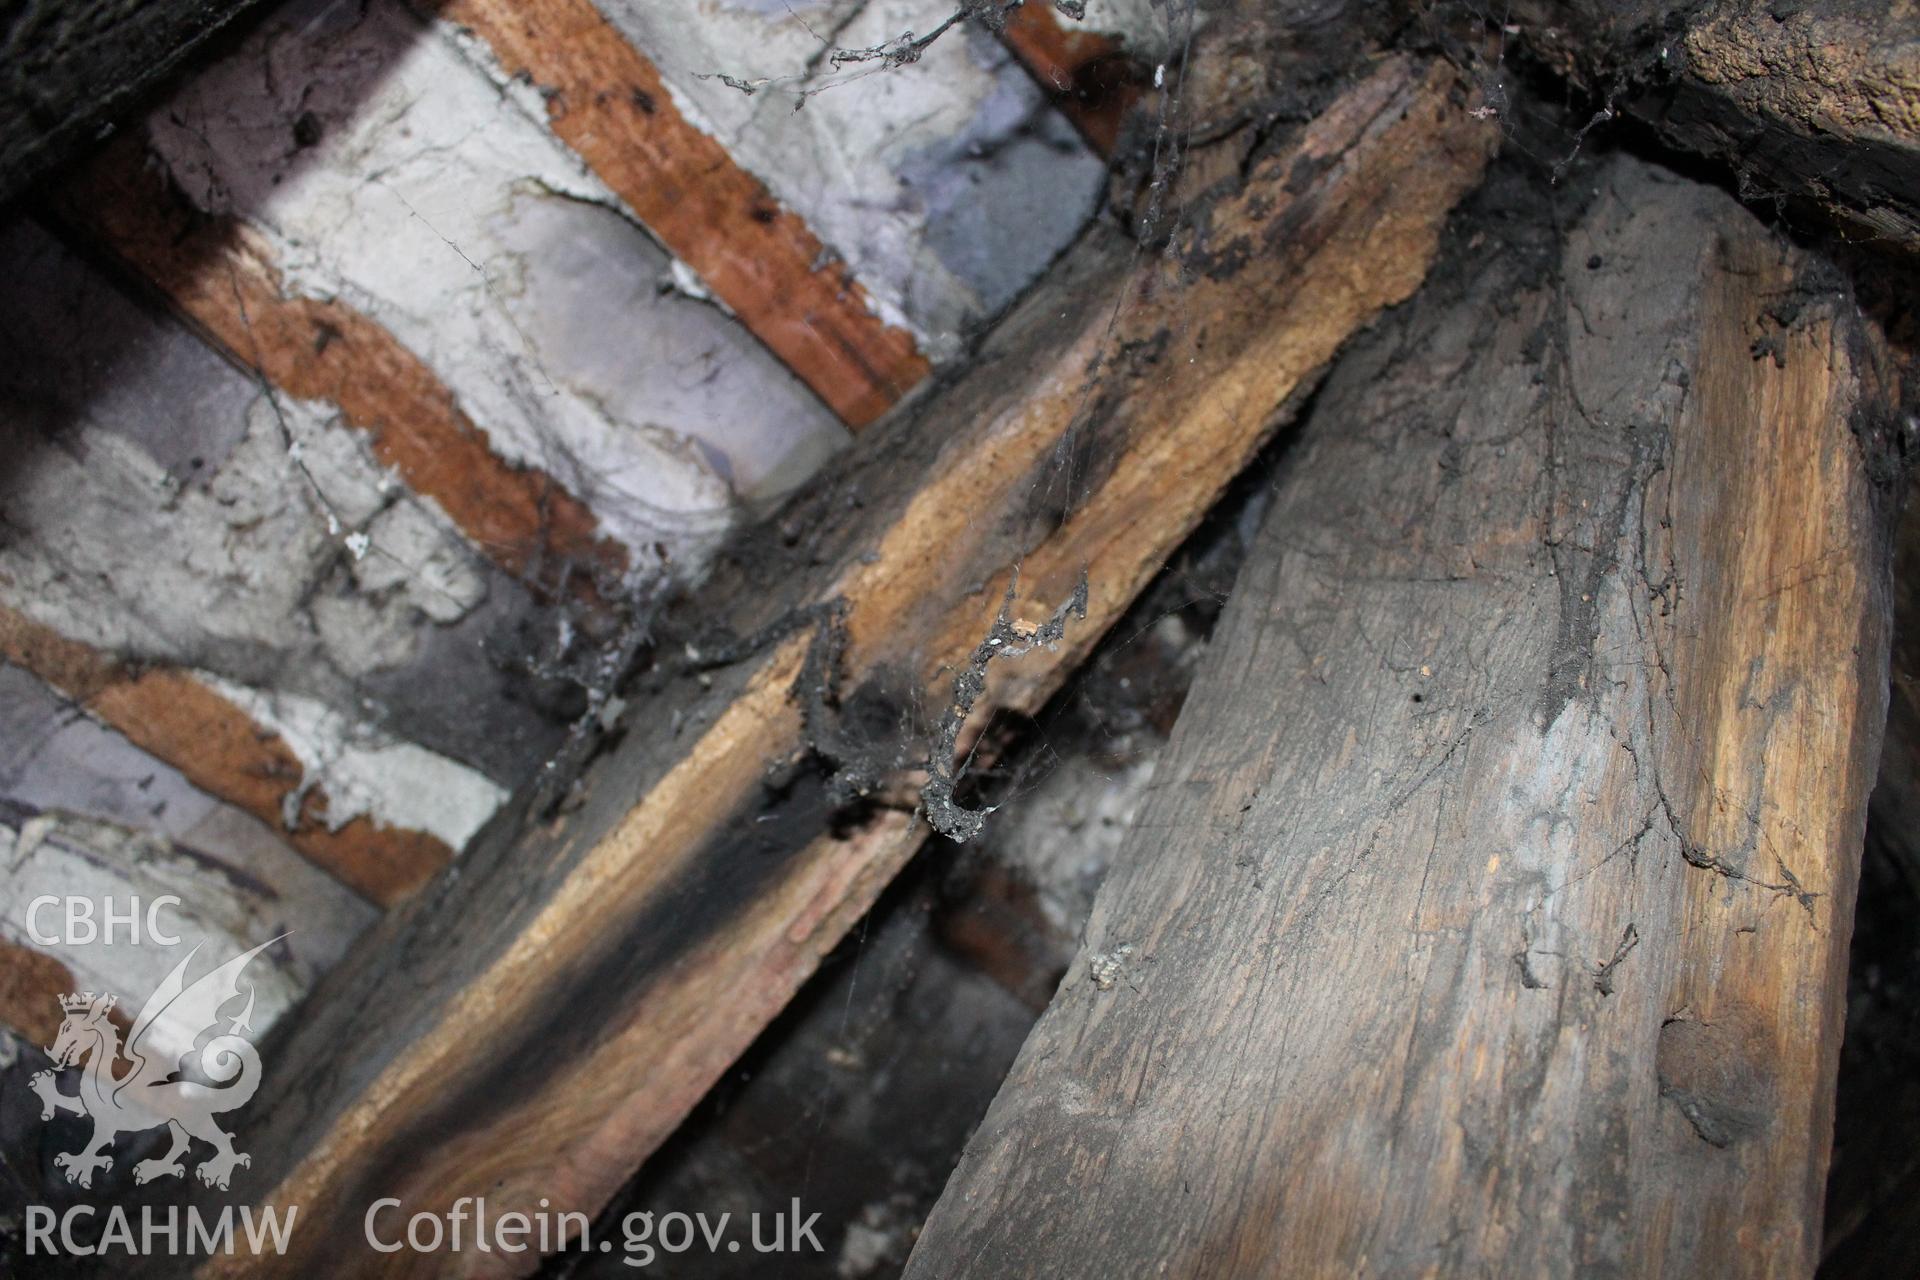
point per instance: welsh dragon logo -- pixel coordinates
(149, 1092)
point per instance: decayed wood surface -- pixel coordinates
(607, 102)
(223, 282)
(226, 753)
(532, 1026)
(1813, 99)
(1490, 915)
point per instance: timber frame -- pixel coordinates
(1497, 884)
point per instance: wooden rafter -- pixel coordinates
(573, 992)
(1489, 915)
(219, 276)
(221, 749)
(608, 102)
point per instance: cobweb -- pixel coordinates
(1097, 735)
(1095, 742)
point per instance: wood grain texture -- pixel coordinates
(1815, 100)
(533, 1026)
(1490, 915)
(222, 750)
(608, 102)
(222, 280)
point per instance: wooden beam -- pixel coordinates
(608, 102)
(222, 750)
(1816, 101)
(1489, 915)
(221, 278)
(531, 1028)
